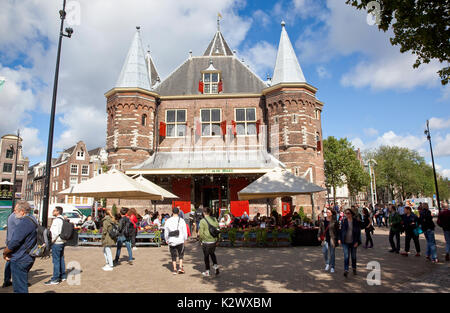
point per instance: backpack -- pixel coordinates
(67, 230)
(215, 232)
(114, 231)
(43, 241)
(128, 230)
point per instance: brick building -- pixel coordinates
(213, 126)
(8, 149)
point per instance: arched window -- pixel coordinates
(144, 120)
(319, 143)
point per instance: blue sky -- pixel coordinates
(372, 94)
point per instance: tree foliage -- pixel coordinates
(405, 174)
(342, 167)
(420, 26)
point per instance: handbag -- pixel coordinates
(417, 231)
(175, 233)
(322, 235)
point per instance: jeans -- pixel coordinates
(59, 266)
(7, 277)
(328, 249)
(108, 255)
(447, 241)
(120, 241)
(349, 249)
(19, 271)
(395, 246)
(209, 250)
(408, 236)
(431, 244)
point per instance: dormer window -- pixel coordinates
(211, 82)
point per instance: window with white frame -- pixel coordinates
(317, 114)
(210, 119)
(73, 181)
(80, 155)
(74, 169)
(83, 179)
(211, 83)
(176, 123)
(64, 184)
(245, 121)
(56, 186)
(57, 171)
(85, 170)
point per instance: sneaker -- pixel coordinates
(6, 284)
(63, 279)
(51, 282)
(345, 273)
(115, 263)
(174, 272)
(181, 271)
(404, 253)
(428, 258)
(371, 246)
(206, 273)
(130, 262)
(216, 267)
(435, 261)
(327, 267)
(332, 270)
(418, 254)
(107, 268)
(392, 250)
(135, 248)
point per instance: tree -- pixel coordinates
(420, 26)
(341, 165)
(357, 178)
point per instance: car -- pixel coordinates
(434, 211)
(74, 217)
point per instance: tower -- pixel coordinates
(131, 107)
(294, 121)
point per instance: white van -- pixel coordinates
(69, 210)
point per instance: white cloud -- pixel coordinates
(371, 132)
(262, 18)
(439, 123)
(446, 173)
(32, 145)
(390, 138)
(261, 58)
(323, 72)
(441, 145)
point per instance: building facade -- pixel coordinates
(8, 150)
(213, 126)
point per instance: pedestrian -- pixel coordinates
(126, 230)
(107, 240)
(427, 224)
(444, 222)
(395, 222)
(208, 241)
(386, 215)
(328, 230)
(132, 215)
(198, 218)
(175, 234)
(23, 239)
(155, 220)
(368, 228)
(11, 225)
(349, 238)
(58, 244)
(401, 209)
(410, 222)
(89, 223)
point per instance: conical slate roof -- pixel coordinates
(218, 46)
(134, 71)
(287, 69)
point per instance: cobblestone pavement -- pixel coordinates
(286, 270)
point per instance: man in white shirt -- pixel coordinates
(59, 266)
(175, 234)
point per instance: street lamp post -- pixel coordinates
(373, 196)
(427, 132)
(48, 164)
(16, 152)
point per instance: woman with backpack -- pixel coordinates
(107, 241)
(208, 240)
(328, 230)
(368, 228)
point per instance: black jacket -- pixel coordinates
(356, 231)
(125, 227)
(426, 220)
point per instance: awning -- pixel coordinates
(208, 162)
(278, 183)
(113, 184)
(145, 182)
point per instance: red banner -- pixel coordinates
(238, 208)
(162, 129)
(200, 86)
(184, 206)
(220, 86)
(223, 126)
(233, 123)
(258, 124)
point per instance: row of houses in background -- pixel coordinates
(73, 165)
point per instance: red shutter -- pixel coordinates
(220, 86)
(162, 129)
(258, 124)
(233, 123)
(223, 126)
(200, 86)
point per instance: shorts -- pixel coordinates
(176, 249)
